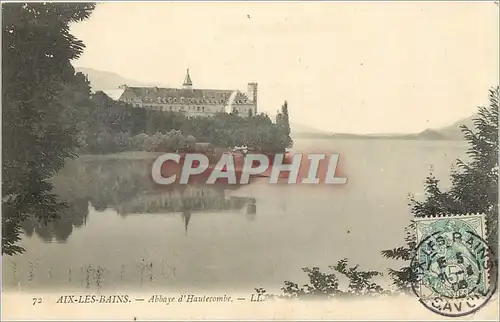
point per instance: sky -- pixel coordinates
(343, 67)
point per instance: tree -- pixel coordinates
(283, 120)
(474, 188)
(327, 284)
(221, 130)
(36, 52)
(78, 105)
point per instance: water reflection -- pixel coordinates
(125, 186)
(74, 216)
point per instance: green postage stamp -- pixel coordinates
(454, 269)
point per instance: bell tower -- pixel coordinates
(188, 84)
(252, 95)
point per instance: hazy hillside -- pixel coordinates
(424, 135)
(453, 131)
(100, 80)
(298, 128)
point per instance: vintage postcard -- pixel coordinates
(250, 160)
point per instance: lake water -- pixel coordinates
(121, 232)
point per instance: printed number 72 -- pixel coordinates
(37, 300)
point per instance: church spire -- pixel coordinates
(187, 81)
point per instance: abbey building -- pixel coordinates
(190, 100)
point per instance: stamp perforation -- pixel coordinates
(481, 230)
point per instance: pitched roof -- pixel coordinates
(115, 94)
(198, 96)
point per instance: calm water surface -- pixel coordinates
(122, 232)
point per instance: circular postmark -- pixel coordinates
(454, 271)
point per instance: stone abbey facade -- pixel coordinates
(189, 100)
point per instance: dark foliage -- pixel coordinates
(36, 52)
(326, 285)
(474, 188)
(112, 121)
(283, 121)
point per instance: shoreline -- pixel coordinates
(145, 155)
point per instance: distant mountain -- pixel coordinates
(303, 131)
(449, 133)
(424, 135)
(101, 80)
(105, 81)
(453, 131)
